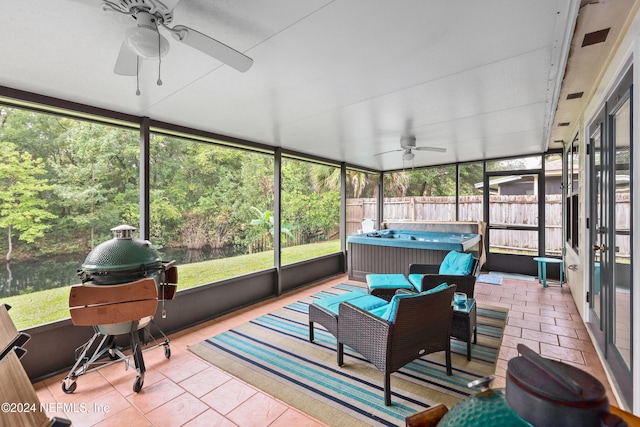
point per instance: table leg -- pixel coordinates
(539, 272)
(544, 274)
(462, 328)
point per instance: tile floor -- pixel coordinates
(187, 391)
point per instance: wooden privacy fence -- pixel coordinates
(503, 210)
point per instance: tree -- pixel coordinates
(362, 184)
(22, 208)
(92, 170)
(470, 175)
(432, 181)
(264, 221)
(95, 178)
(308, 200)
(359, 184)
(396, 184)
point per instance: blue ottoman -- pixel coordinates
(325, 311)
(386, 285)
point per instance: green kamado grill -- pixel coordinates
(122, 259)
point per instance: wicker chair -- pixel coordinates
(421, 325)
(431, 278)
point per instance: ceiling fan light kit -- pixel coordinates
(145, 40)
(408, 155)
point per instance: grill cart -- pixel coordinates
(123, 279)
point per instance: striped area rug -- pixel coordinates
(273, 353)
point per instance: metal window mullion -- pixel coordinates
(144, 185)
(277, 217)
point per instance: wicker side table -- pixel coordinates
(463, 324)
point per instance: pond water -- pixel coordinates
(57, 271)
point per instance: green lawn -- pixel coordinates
(53, 304)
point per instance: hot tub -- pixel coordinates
(444, 241)
(392, 251)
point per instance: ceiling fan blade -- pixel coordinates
(127, 62)
(435, 149)
(212, 47)
(385, 152)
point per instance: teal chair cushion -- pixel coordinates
(387, 281)
(379, 311)
(389, 313)
(416, 280)
(457, 263)
(359, 299)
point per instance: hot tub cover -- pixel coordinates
(434, 240)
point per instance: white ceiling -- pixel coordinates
(340, 79)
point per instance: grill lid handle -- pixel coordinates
(554, 374)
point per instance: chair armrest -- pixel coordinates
(424, 268)
(365, 333)
(349, 313)
(475, 271)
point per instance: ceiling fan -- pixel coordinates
(145, 41)
(408, 144)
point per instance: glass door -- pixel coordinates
(620, 237)
(610, 290)
(596, 229)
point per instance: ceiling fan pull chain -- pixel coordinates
(137, 76)
(159, 82)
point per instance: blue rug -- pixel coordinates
(491, 279)
(273, 353)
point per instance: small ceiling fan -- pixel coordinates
(145, 41)
(408, 144)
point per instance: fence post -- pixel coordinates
(412, 204)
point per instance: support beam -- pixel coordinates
(277, 218)
(145, 137)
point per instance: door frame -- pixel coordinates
(595, 320)
(515, 263)
(602, 329)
